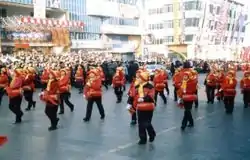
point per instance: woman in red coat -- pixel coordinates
(51, 97)
(29, 88)
(118, 83)
(188, 95)
(64, 90)
(229, 90)
(159, 85)
(79, 78)
(245, 88)
(210, 83)
(143, 100)
(4, 82)
(15, 93)
(93, 94)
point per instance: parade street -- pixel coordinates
(215, 136)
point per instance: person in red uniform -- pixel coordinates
(93, 93)
(143, 100)
(229, 90)
(210, 83)
(29, 88)
(245, 87)
(100, 70)
(15, 93)
(188, 95)
(220, 79)
(118, 83)
(159, 85)
(4, 82)
(51, 98)
(79, 78)
(45, 78)
(165, 77)
(64, 90)
(176, 83)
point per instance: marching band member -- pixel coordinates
(159, 85)
(29, 88)
(4, 82)
(51, 97)
(118, 83)
(100, 70)
(79, 78)
(229, 91)
(220, 79)
(45, 78)
(64, 90)
(165, 77)
(14, 91)
(130, 102)
(176, 83)
(210, 83)
(93, 93)
(188, 95)
(245, 87)
(144, 103)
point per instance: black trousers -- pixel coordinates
(162, 96)
(229, 104)
(145, 126)
(166, 87)
(175, 94)
(210, 90)
(64, 97)
(133, 117)
(246, 98)
(98, 101)
(51, 112)
(44, 86)
(15, 107)
(105, 84)
(1, 94)
(221, 93)
(187, 118)
(196, 102)
(28, 95)
(79, 85)
(118, 92)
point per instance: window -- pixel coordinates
(246, 17)
(243, 29)
(189, 38)
(169, 39)
(192, 5)
(215, 25)
(218, 10)
(168, 8)
(192, 22)
(168, 24)
(211, 8)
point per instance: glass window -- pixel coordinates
(189, 37)
(167, 8)
(168, 24)
(169, 39)
(192, 5)
(211, 8)
(192, 22)
(218, 10)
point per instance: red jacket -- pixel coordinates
(211, 80)
(177, 80)
(50, 95)
(29, 84)
(45, 76)
(4, 81)
(229, 88)
(79, 77)
(148, 99)
(159, 82)
(245, 84)
(93, 88)
(118, 80)
(189, 93)
(64, 84)
(220, 79)
(15, 87)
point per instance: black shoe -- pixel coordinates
(27, 109)
(61, 112)
(165, 102)
(85, 119)
(72, 108)
(102, 117)
(212, 102)
(34, 104)
(151, 139)
(142, 142)
(133, 122)
(183, 128)
(191, 125)
(208, 102)
(52, 128)
(246, 106)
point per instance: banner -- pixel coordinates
(39, 8)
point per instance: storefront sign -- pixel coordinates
(53, 3)
(39, 8)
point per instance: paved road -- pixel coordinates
(216, 136)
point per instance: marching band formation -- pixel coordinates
(142, 93)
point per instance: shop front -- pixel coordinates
(46, 35)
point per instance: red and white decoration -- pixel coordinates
(52, 22)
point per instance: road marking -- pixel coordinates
(125, 146)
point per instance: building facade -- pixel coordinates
(192, 25)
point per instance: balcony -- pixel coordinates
(121, 30)
(102, 8)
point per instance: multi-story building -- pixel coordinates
(188, 27)
(109, 24)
